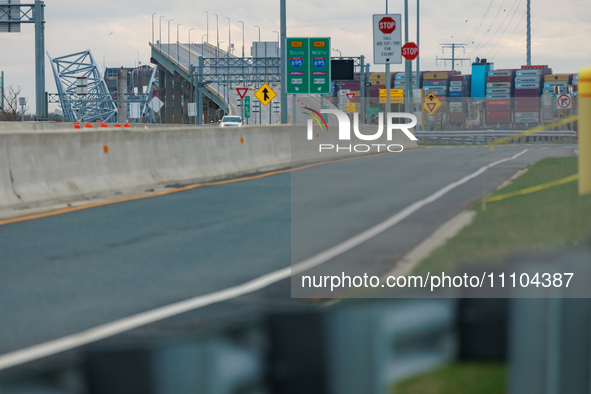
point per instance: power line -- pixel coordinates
(522, 16)
(490, 27)
(514, 9)
(477, 28)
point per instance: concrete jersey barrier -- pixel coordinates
(47, 166)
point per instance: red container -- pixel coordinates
(502, 114)
(498, 108)
(527, 93)
(498, 119)
(498, 102)
(499, 79)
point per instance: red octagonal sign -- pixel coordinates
(387, 25)
(410, 51)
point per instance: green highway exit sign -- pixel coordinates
(308, 65)
(247, 107)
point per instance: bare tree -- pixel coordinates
(11, 110)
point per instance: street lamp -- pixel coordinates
(154, 13)
(277, 41)
(229, 39)
(259, 33)
(190, 51)
(242, 37)
(336, 50)
(178, 50)
(207, 24)
(202, 44)
(258, 47)
(217, 35)
(160, 31)
(169, 37)
(138, 57)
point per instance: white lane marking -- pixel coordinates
(69, 342)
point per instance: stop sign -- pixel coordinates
(387, 25)
(410, 51)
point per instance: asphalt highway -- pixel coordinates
(70, 272)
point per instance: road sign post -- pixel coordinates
(308, 65)
(387, 44)
(247, 107)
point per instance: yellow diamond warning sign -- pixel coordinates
(432, 104)
(265, 94)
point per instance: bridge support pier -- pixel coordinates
(186, 100)
(178, 107)
(168, 102)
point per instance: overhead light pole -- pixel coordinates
(178, 50)
(207, 25)
(277, 41)
(336, 50)
(202, 44)
(160, 31)
(169, 37)
(154, 13)
(229, 37)
(242, 37)
(217, 35)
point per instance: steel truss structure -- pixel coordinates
(225, 70)
(97, 104)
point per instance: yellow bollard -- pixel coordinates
(585, 131)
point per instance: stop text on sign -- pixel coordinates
(410, 51)
(387, 25)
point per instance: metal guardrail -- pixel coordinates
(362, 347)
(485, 137)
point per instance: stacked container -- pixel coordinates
(499, 89)
(400, 80)
(556, 83)
(459, 90)
(575, 86)
(528, 86)
(437, 83)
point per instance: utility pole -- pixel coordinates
(528, 56)
(407, 66)
(388, 82)
(283, 68)
(453, 53)
(418, 81)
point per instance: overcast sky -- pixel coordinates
(493, 29)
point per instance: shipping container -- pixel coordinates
(501, 73)
(498, 102)
(498, 79)
(527, 80)
(528, 73)
(498, 84)
(498, 90)
(527, 86)
(555, 83)
(527, 92)
(498, 96)
(557, 77)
